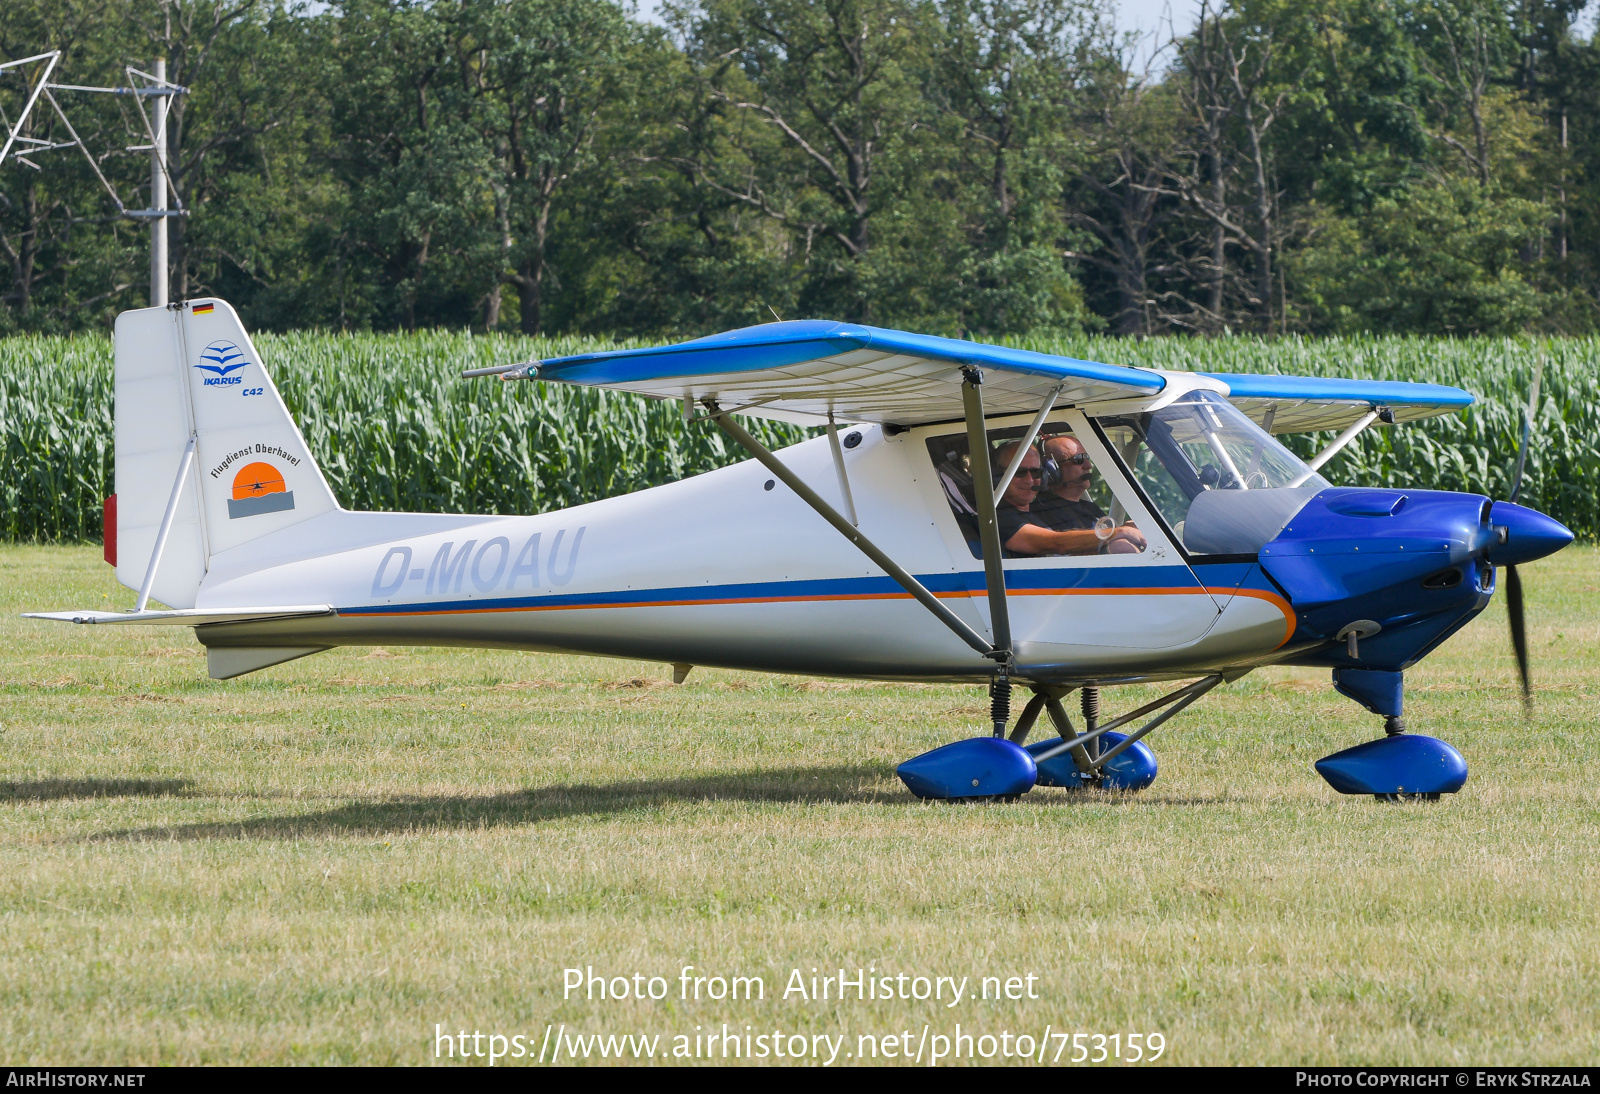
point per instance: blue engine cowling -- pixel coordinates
(1134, 769)
(980, 767)
(1411, 561)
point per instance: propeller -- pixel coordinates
(1519, 633)
(1519, 630)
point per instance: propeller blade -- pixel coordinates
(1519, 632)
(1527, 428)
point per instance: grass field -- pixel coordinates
(320, 862)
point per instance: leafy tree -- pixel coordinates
(68, 257)
(542, 71)
(1440, 258)
(1010, 75)
(831, 80)
(972, 167)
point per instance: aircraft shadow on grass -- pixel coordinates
(843, 785)
(42, 790)
(799, 785)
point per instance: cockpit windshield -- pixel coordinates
(1222, 482)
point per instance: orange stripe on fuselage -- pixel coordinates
(1271, 598)
(956, 595)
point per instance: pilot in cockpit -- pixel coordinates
(1064, 505)
(1027, 530)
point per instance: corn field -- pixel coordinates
(394, 427)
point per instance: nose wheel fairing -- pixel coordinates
(1402, 764)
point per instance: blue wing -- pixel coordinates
(1304, 403)
(800, 370)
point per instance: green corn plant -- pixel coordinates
(387, 416)
(55, 437)
(395, 427)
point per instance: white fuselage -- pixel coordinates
(723, 570)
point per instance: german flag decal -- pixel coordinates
(201, 309)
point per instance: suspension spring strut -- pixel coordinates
(1000, 702)
(1091, 717)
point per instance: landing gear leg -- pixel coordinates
(1029, 715)
(1398, 766)
(1123, 762)
(1081, 757)
(1000, 701)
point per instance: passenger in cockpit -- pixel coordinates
(1012, 514)
(1023, 531)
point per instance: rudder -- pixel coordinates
(190, 370)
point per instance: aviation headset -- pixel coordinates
(1054, 473)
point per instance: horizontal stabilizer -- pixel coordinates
(187, 617)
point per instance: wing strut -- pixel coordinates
(994, 573)
(1382, 413)
(838, 469)
(911, 585)
(1025, 444)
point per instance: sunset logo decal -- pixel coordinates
(258, 488)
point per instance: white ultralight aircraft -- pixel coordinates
(897, 546)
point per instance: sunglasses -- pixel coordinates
(1081, 457)
(1036, 472)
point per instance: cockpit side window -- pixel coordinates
(952, 463)
(1057, 504)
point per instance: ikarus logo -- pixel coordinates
(223, 359)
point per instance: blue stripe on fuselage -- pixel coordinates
(1177, 579)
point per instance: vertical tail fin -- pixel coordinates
(186, 371)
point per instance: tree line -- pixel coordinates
(982, 168)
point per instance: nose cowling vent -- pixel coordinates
(1369, 503)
